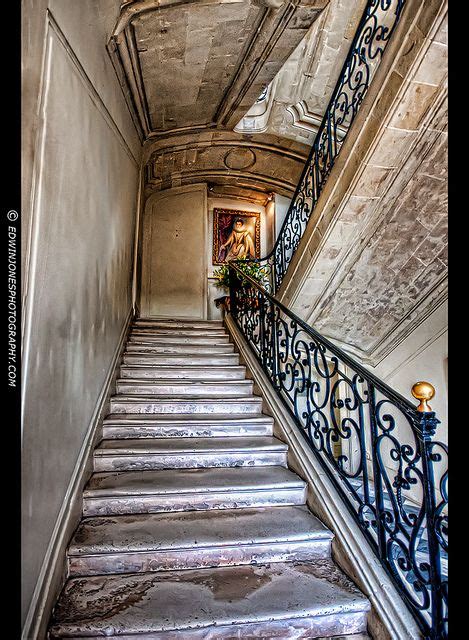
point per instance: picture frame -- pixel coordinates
(236, 234)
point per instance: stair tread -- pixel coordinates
(171, 481)
(183, 333)
(122, 397)
(197, 598)
(179, 322)
(206, 358)
(183, 383)
(174, 399)
(183, 418)
(188, 529)
(191, 367)
(189, 445)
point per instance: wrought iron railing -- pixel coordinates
(376, 447)
(376, 26)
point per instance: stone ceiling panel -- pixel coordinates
(192, 65)
(188, 56)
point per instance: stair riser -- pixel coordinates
(174, 337)
(189, 407)
(191, 558)
(156, 431)
(170, 330)
(182, 348)
(182, 360)
(231, 390)
(107, 506)
(178, 324)
(178, 339)
(181, 373)
(188, 461)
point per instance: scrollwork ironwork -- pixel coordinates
(373, 443)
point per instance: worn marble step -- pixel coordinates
(126, 425)
(167, 372)
(179, 348)
(188, 453)
(129, 492)
(183, 359)
(282, 600)
(178, 338)
(161, 323)
(173, 404)
(193, 539)
(152, 332)
(216, 389)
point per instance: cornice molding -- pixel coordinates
(305, 119)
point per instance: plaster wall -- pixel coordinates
(81, 158)
(174, 258)
(422, 355)
(281, 209)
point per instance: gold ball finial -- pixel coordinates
(423, 391)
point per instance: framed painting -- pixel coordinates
(236, 234)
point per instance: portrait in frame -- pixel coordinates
(236, 234)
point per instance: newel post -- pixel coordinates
(426, 424)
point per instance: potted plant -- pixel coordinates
(251, 268)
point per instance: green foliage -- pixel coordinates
(253, 269)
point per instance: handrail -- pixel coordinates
(375, 28)
(375, 446)
(382, 386)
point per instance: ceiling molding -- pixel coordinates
(224, 158)
(305, 119)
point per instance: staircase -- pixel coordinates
(193, 526)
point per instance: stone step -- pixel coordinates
(166, 372)
(178, 338)
(183, 359)
(173, 404)
(281, 600)
(128, 492)
(193, 539)
(169, 323)
(126, 425)
(189, 453)
(153, 332)
(216, 389)
(133, 347)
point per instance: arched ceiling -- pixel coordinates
(192, 70)
(227, 161)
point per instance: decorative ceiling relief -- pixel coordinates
(188, 66)
(239, 159)
(304, 119)
(225, 159)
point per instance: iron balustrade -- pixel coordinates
(375, 446)
(374, 31)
